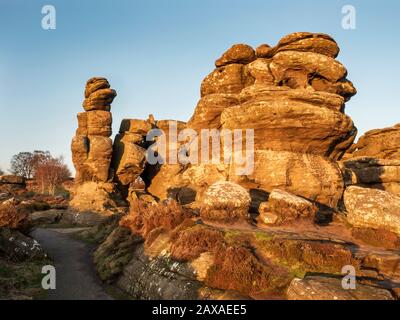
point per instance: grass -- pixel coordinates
(22, 281)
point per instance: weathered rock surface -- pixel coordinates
(374, 173)
(225, 201)
(92, 150)
(95, 84)
(128, 158)
(292, 122)
(97, 197)
(378, 143)
(324, 288)
(12, 185)
(283, 207)
(18, 247)
(187, 234)
(238, 53)
(100, 99)
(309, 42)
(293, 97)
(228, 79)
(310, 176)
(13, 215)
(372, 208)
(208, 111)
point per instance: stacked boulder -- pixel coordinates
(371, 168)
(374, 161)
(293, 96)
(92, 149)
(129, 153)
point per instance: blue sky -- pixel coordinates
(155, 54)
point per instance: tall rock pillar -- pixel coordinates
(92, 150)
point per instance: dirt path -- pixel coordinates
(76, 278)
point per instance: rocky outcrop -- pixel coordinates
(18, 247)
(378, 143)
(383, 174)
(295, 105)
(309, 176)
(92, 151)
(99, 197)
(13, 215)
(188, 233)
(370, 208)
(225, 201)
(302, 41)
(129, 153)
(283, 207)
(298, 120)
(12, 185)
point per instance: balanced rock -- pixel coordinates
(208, 111)
(309, 42)
(371, 208)
(100, 100)
(238, 53)
(92, 147)
(92, 150)
(225, 201)
(95, 84)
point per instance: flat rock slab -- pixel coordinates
(75, 274)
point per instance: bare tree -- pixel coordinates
(50, 173)
(1, 172)
(24, 163)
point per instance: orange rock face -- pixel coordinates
(91, 147)
(378, 143)
(293, 96)
(12, 216)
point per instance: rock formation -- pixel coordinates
(371, 208)
(295, 105)
(225, 201)
(378, 143)
(10, 185)
(383, 174)
(374, 161)
(92, 150)
(283, 207)
(189, 233)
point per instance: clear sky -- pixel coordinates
(155, 54)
